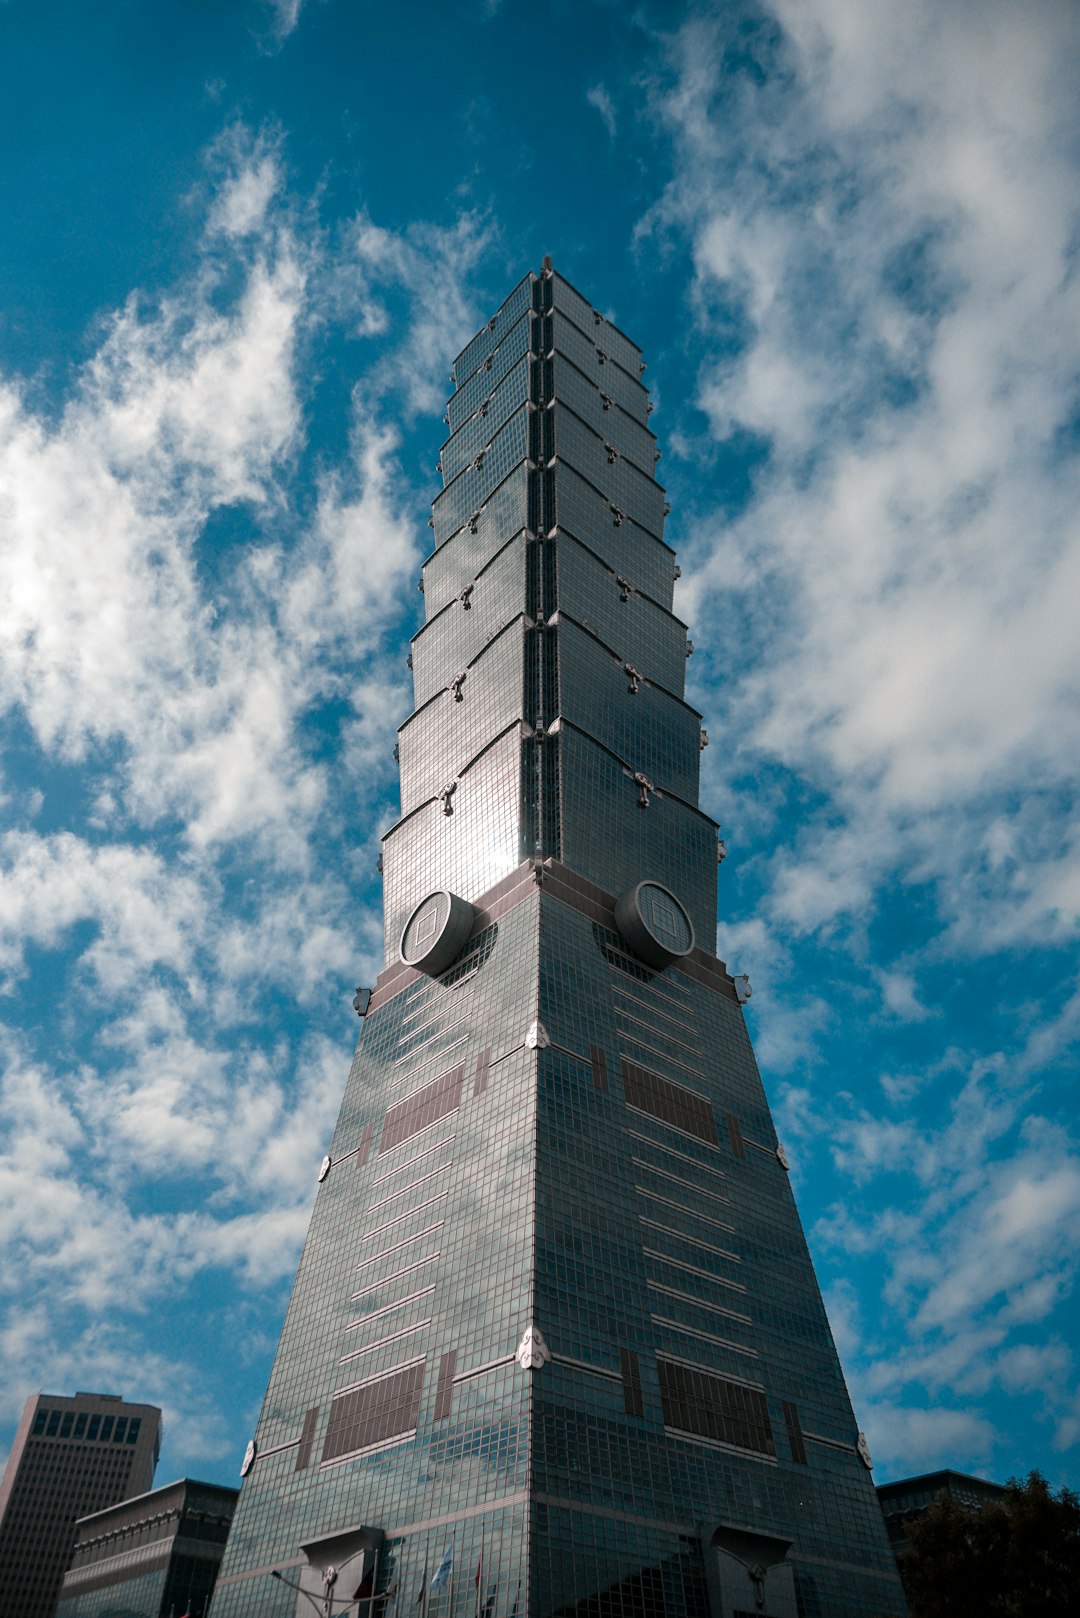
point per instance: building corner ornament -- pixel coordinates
(532, 1351)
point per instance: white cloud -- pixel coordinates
(913, 1438)
(889, 219)
(599, 98)
(881, 216)
(198, 650)
(431, 266)
(144, 912)
(243, 200)
(284, 16)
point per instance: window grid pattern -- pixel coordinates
(625, 618)
(672, 841)
(588, 398)
(490, 336)
(626, 390)
(615, 343)
(634, 491)
(467, 851)
(476, 433)
(649, 728)
(628, 549)
(449, 642)
(472, 393)
(472, 487)
(446, 734)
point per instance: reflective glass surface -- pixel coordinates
(555, 1330)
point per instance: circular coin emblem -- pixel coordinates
(436, 932)
(654, 924)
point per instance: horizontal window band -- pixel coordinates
(429, 1230)
(706, 1337)
(677, 1179)
(403, 1190)
(709, 1370)
(721, 1252)
(481, 1370)
(654, 1050)
(687, 1134)
(436, 1011)
(436, 1123)
(681, 1207)
(583, 1365)
(692, 1269)
(409, 1161)
(424, 1043)
(406, 1331)
(718, 1443)
(369, 1449)
(830, 1443)
(698, 1303)
(387, 1280)
(277, 1449)
(662, 1146)
(628, 1016)
(380, 1376)
(345, 1156)
(425, 1005)
(388, 1308)
(769, 1151)
(656, 999)
(436, 1056)
(408, 1214)
(674, 1084)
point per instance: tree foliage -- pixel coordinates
(1016, 1559)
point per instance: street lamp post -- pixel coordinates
(326, 1606)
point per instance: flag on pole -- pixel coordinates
(390, 1595)
(444, 1569)
(421, 1594)
(479, 1569)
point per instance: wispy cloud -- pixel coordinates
(200, 655)
(881, 211)
(599, 98)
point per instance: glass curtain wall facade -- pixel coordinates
(555, 1345)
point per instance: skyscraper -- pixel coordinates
(70, 1457)
(555, 1344)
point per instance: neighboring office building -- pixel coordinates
(70, 1457)
(555, 1344)
(153, 1557)
(906, 1499)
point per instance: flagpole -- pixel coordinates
(453, 1559)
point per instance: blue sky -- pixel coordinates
(242, 243)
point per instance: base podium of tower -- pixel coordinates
(555, 1347)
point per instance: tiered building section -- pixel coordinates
(555, 1344)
